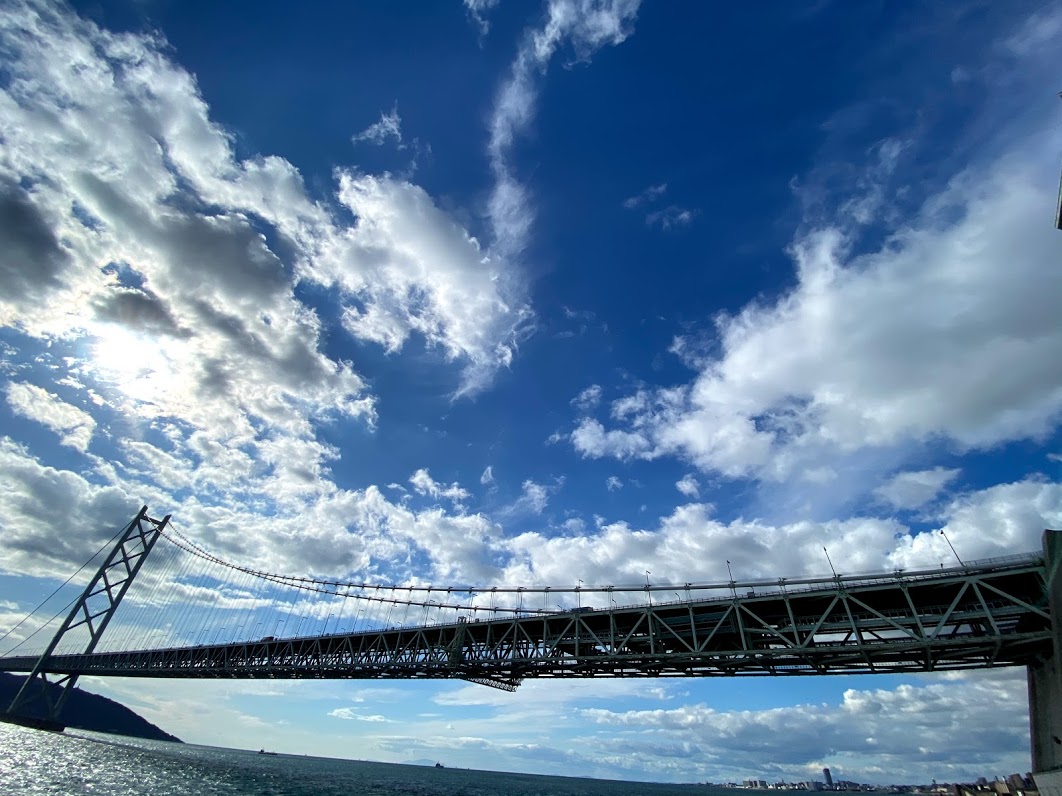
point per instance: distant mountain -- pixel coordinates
(85, 711)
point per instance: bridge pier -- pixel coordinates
(1045, 677)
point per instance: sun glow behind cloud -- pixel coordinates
(131, 360)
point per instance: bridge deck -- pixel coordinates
(994, 615)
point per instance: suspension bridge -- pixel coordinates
(194, 614)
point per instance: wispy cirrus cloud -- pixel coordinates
(583, 25)
(650, 194)
(477, 12)
(667, 217)
(671, 217)
(389, 126)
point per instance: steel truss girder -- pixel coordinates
(91, 612)
(978, 618)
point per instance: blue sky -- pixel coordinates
(528, 293)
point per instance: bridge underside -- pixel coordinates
(957, 619)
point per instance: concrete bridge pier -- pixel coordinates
(1045, 677)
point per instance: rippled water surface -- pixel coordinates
(36, 762)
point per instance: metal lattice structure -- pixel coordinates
(90, 615)
(986, 614)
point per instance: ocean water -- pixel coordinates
(75, 763)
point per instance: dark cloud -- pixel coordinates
(137, 309)
(31, 257)
(54, 520)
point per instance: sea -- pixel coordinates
(78, 762)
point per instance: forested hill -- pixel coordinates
(86, 711)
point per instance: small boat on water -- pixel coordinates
(264, 752)
(439, 765)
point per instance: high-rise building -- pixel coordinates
(829, 777)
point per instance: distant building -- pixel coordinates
(813, 786)
(829, 777)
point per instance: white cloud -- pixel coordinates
(389, 126)
(197, 319)
(352, 714)
(40, 504)
(587, 400)
(613, 483)
(584, 25)
(193, 335)
(74, 426)
(488, 475)
(671, 217)
(650, 194)
(533, 498)
(997, 521)
(336, 532)
(924, 730)
(591, 439)
(688, 486)
(665, 217)
(924, 338)
(477, 12)
(424, 484)
(691, 545)
(422, 273)
(912, 490)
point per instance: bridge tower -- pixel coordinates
(1045, 675)
(90, 615)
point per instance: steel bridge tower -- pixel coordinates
(90, 615)
(1045, 674)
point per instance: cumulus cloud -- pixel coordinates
(869, 735)
(74, 426)
(688, 485)
(139, 249)
(997, 521)
(335, 533)
(40, 505)
(690, 544)
(193, 314)
(924, 338)
(912, 490)
(613, 483)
